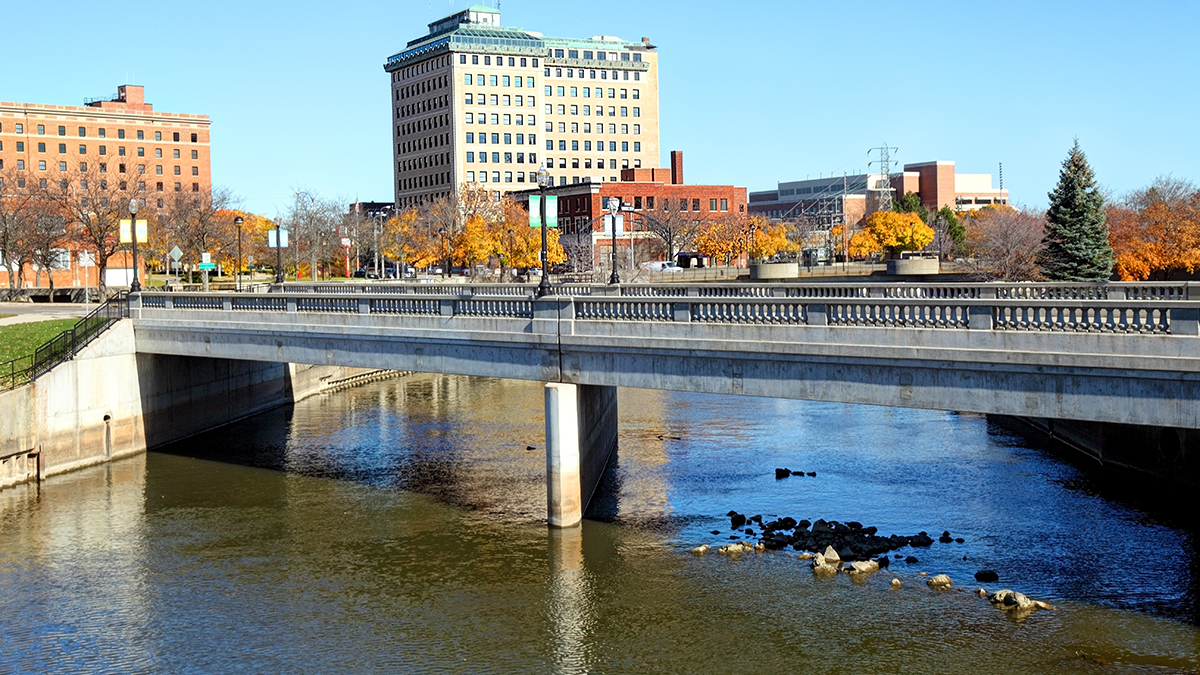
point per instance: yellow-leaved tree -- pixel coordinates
(892, 232)
(476, 243)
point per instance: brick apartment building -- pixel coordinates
(653, 193)
(480, 103)
(119, 140)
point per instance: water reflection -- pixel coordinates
(399, 527)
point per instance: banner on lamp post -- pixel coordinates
(127, 238)
(535, 211)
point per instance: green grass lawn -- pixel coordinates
(23, 338)
(5, 316)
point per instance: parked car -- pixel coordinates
(660, 266)
(364, 274)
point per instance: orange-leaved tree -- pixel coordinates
(1156, 231)
(892, 232)
(475, 243)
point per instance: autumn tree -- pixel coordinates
(892, 232)
(1155, 231)
(93, 203)
(1076, 246)
(14, 216)
(676, 229)
(911, 203)
(1004, 243)
(475, 243)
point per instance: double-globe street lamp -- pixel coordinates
(544, 183)
(614, 207)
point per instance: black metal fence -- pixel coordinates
(65, 345)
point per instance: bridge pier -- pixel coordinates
(581, 433)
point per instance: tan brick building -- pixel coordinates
(477, 102)
(118, 141)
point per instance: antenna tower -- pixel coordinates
(884, 188)
(1001, 176)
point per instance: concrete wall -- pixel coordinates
(109, 402)
(597, 408)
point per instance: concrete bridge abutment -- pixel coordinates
(581, 434)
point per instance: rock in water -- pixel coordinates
(812, 473)
(895, 583)
(864, 567)
(1012, 600)
(832, 556)
(911, 559)
(700, 550)
(946, 538)
(782, 473)
(939, 582)
(986, 576)
(736, 521)
(716, 532)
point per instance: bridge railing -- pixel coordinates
(1162, 309)
(956, 290)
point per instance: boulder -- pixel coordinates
(736, 521)
(981, 593)
(946, 538)
(1012, 600)
(700, 550)
(911, 559)
(782, 473)
(805, 556)
(895, 583)
(832, 556)
(716, 532)
(986, 576)
(812, 473)
(864, 567)
(939, 582)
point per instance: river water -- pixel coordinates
(399, 527)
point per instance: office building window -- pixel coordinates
(141, 136)
(637, 129)
(42, 165)
(158, 135)
(20, 165)
(637, 146)
(41, 147)
(470, 158)
(195, 170)
(62, 166)
(174, 137)
(158, 170)
(724, 204)
(62, 148)
(120, 133)
(175, 153)
(178, 170)
(468, 79)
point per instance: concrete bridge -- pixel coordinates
(1121, 353)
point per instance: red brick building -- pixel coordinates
(119, 142)
(653, 193)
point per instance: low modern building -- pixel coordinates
(120, 142)
(652, 194)
(829, 201)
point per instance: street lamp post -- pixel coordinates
(445, 253)
(614, 207)
(279, 253)
(135, 286)
(544, 180)
(238, 222)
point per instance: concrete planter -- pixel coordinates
(908, 266)
(787, 270)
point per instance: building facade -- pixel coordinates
(476, 102)
(652, 193)
(831, 201)
(118, 141)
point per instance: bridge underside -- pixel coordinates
(1077, 388)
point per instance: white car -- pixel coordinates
(660, 266)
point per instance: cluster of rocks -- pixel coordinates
(784, 473)
(850, 540)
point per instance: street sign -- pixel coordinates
(271, 235)
(176, 254)
(205, 258)
(206, 266)
(175, 264)
(126, 238)
(87, 259)
(346, 242)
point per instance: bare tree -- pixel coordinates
(14, 216)
(314, 229)
(196, 224)
(45, 233)
(676, 229)
(1004, 243)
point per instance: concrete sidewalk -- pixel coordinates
(28, 312)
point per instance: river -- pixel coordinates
(399, 527)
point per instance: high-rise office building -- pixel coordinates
(474, 102)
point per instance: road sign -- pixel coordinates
(346, 242)
(206, 266)
(87, 259)
(271, 234)
(205, 258)
(175, 264)
(176, 254)
(126, 238)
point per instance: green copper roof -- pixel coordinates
(482, 8)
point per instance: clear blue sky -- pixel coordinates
(753, 93)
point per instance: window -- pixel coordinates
(624, 93)
(195, 154)
(141, 152)
(174, 136)
(470, 158)
(20, 128)
(468, 78)
(141, 136)
(494, 80)
(529, 82)
(624, 146)
(195, 139)
(696, 205)
(637, 146)
(712, 204)
(470, 176)
(637, 129)
(624, 111)
(83, 168)
(649, 202)
(158, 152)
(496, 139)
(42, 165)
(487, 60)
(562, 145)
(20, 165)
(483, 158)
(121, 151)
(178, 171)
(724, 204)
(474, 59)
(158, 135)
(179, 187)
(158, 170)
(120, 133)
(41, 147)
(636, 94)
(612, 146)
(558, 53)
(683, 205)
(20, 146)
(195, 170)
(637, 112)
(176, 153)
(195, 187)
(62, 166)
(624, 128)
(508, 158)
(62, 148)
(103, 167)
(82, 132)
(495, 99)
(82, 149)
(505, 81)
(104, 150)
(41, 129)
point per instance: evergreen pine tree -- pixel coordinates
(1076, 244)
